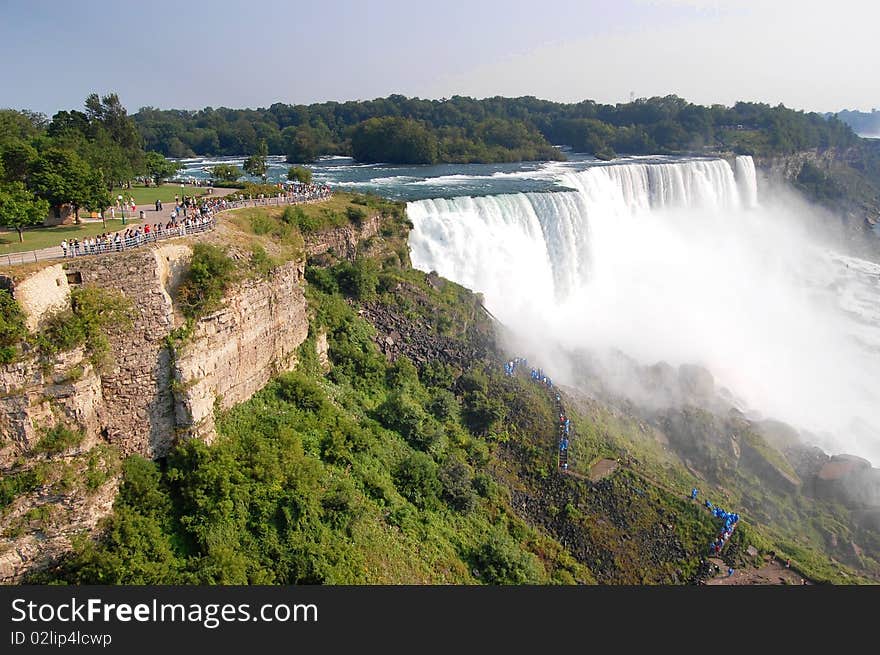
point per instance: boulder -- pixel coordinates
(849, 480)
(770, 465)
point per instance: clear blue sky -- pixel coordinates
(193, 53)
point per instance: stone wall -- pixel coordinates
(42, 293)
(138, 408)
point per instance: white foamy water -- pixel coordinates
(677, 262)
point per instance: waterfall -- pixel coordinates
(542, 240)
(745, 175)
(676, 262)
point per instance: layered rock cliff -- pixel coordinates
(153, 392)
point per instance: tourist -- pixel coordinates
(64, 247)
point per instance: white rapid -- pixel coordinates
(678, 262)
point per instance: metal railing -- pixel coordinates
(179, 230)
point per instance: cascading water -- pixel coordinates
(745, 174)
(677, 262)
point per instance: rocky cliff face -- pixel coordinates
(859, 207)
(234, 352)
(149, 396)
(343, 241)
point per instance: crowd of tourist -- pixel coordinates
(287, 193)
(540, 377)
(188, 216)
(137, 236)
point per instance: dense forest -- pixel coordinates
(397, 129)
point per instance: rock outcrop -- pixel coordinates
(234, 352)
(343, 241)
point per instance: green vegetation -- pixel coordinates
(15, 484)
(13, 331)
(256, 164)
(817, 184)
(299, 174)
(58, 439)
(75, 160)
(307, 485)
(210, 273)
(460, 129)
(92, 311)
(159, 168)
(225, 173)
(20, 208)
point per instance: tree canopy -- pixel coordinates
(75, 159)
(19, 208)
(256, 164)
(226, 172)
(461, 129)
(159, 168)
(299, 174)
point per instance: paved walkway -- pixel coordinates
(150, 213)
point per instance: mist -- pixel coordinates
(684, 264)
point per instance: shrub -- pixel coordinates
(416, 480)
(210, 274)
(481, 413)
(297, 388)
(261, 224)
(358, 280)
(401, 413)
(12, 327)
(501, 561)
(356, 215)
(58, 439)
(261, 262)
(92, 312)
(16, 484)
(306, 222)
(455, 478)
(322, 278)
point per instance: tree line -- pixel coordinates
(397, 129)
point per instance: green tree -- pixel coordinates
(394, 140)
(301, 144)
(63, 178)
(19, 208)
(159, 168)
(299, 174)
(16, 158)
(225, 173)
(256, 164)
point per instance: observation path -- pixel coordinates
(152, 216)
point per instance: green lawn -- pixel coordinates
(148, 195)
(50, 237)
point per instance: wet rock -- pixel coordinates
(697, 383)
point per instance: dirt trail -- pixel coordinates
(773, 572)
